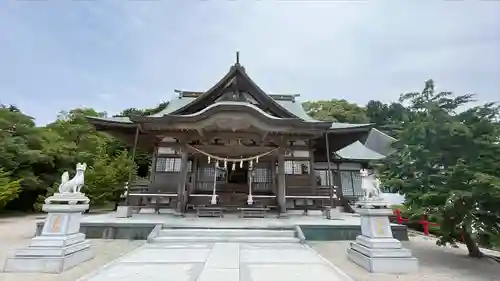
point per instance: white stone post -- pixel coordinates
(213, 200)
(375, 249)
(124, 211)
(61, 245)
(250, 179)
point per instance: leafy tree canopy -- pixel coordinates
(336, 110)
(447, 164)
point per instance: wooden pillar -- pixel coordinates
(194, 172)
(153, 165)
(274, 182)
(281, 181)
(329, 175)
(337, 181)
(312, 172)
(134, 148)
(181, 188)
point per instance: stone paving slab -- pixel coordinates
(272, 246)
(288, 272)
(148, 272)
(168, 256)
(220, 261)
(219, 274)
(224, 255)
(304, 256)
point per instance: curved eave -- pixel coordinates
(357, 159)
(356, 151)
(110, 124)
(349, 128)
(231, 107)
(235, 69)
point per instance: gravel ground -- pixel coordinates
(16, 232)
(436, 263)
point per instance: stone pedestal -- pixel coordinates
(124, 212)
(60, 245)
(332, 213)
(375, 249)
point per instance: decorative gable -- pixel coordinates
(238, 87)
(239, 96)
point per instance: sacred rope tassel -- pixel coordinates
(233, 164)
(208, 159)
(225, 164)
(257, 160)
(250, 164)
(213, 201)
(241, 163)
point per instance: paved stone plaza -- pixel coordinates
(220, 261)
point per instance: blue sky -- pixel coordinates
(110, 55)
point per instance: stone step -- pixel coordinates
(215, 239)
(210, 232)
(381, 253)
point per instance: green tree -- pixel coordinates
(105, 180)
(389, 118)
(142, 158)
(447, 165)
(21, 154)
(144, 112)
(336, 110)
(9, 189)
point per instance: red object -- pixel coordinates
(423, 221)
(399, 217)
(425, 224)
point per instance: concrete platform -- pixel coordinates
(221, 261)
(47, 264)
(397, 264)
(139, 226)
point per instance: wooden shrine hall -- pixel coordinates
(237, 147)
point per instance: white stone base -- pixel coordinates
(123, 212)
(53, 251)
(383, 264)
(379, 243)
(48, 264)
(147, 211)
(381, 253)
(334, 213)
(57, 241)
(376, 250)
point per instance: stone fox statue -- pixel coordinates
(75, 184)
(371, 187)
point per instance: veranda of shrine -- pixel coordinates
(237, 146)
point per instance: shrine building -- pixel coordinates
(236, 145)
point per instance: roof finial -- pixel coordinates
(237, 57)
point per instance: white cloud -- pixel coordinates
(137, 52)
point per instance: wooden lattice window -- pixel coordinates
(206, 174)
(261, 175)
(293, 167)
(351, 183)
(171, 164)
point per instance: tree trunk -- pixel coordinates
(471, 245)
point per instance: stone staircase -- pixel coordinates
(215, 235)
